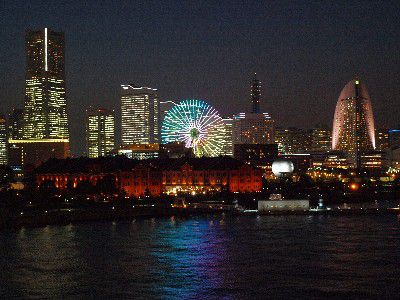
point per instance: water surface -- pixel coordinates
(206, 257)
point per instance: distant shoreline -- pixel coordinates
(64, 217)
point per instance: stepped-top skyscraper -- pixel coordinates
(45, 110)
(45, 123)
(353, 124)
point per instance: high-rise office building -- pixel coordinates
(140, 115)
(249, 128)
(45, 110)
(227, 137)
(254, 127)
(353, 124)
(255, 94)
(100, 132)
(292, 140)
(16, 124)
(45, 124)
(321, 138)
(3, 141)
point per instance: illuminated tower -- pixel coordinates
(100, 132)
(227, 137)
(45, 110)
(3, 141)
(353, 124)
(254, 127)
(255, 95)
(140, 115)
(45, 124)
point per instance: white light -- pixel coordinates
(282, 167)
(45, 49)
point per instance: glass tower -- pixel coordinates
(140, 115)
(45, 111)
(100, 132)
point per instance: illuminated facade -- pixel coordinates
(227, 137)
(45, 109)
(292, 140)
(3, 142)
(321, 139)
(156, 176)
(100, 132)
(250, 128)
(35, 152)
(376, 160)
(197, 124)
(382, 139)
(140, 151)
(255, 94)
(16, 124)
(353, 124)
(140, 115)
(254, 127)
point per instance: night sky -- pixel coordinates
(303, 53)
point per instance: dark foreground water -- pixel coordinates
(206, 257)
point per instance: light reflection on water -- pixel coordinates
(205, 257)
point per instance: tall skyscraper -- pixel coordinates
(3, 141)
(321, 138)
(255, 95)
(227, 137)
(353, 124)
(45, 129)
(45, 115)
(16, 124)
(254, 127)
(140, 119)
(100, 132)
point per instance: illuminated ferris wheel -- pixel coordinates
(197, 124)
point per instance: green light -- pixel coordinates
(194, 133)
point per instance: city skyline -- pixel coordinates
(200, 149)
(97, 63)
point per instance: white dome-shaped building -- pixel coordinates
(282, 167)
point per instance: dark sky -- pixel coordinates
(304, 53)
